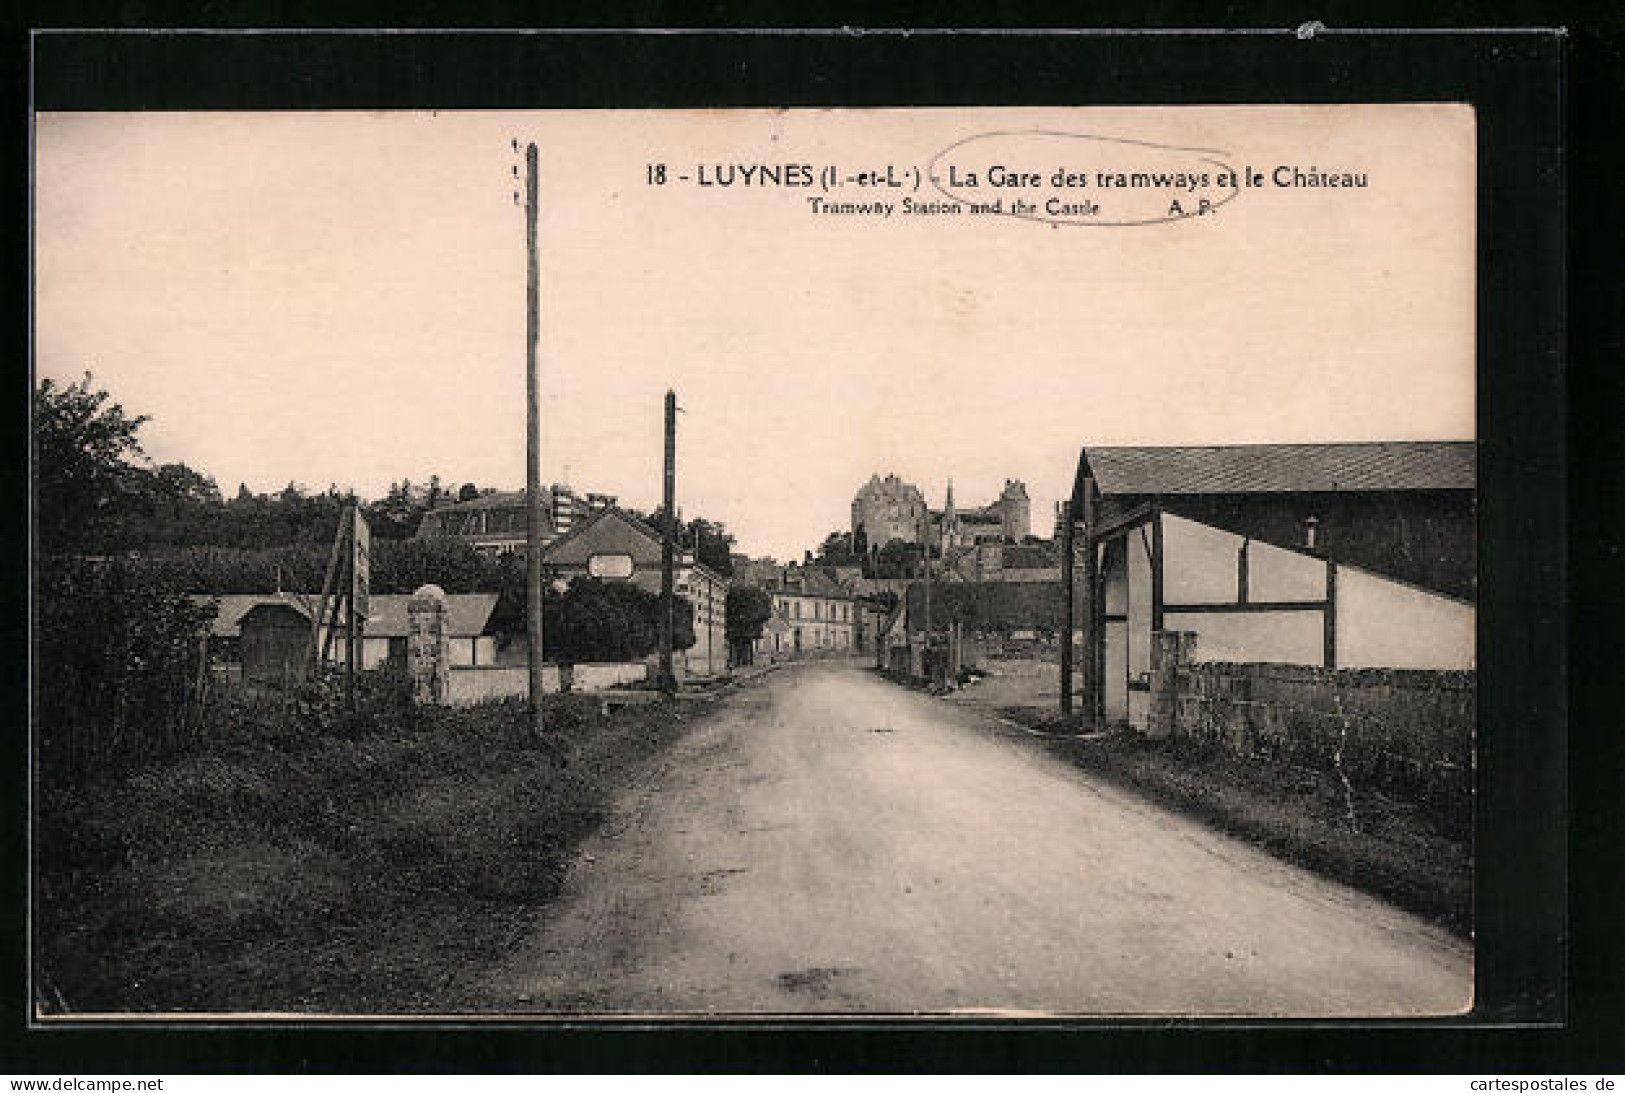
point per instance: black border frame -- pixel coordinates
(1515, 80)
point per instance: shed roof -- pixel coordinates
(234, 606)
(1284, 468)
(467, 614)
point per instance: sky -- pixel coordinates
(339, 298)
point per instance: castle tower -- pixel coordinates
(1015, 508)
(889, 508)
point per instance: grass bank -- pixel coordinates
(368, 867)
(1397, 850)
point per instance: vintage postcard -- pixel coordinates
(756, 563)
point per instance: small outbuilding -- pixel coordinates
(274, 643)
(1350, 555)
(269, 635)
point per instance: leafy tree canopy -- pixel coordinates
(597, 620)
(89, 467)
(748, 609)
(836, 549)
(710, 540)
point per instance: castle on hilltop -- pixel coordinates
(887, 509)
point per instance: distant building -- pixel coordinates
(1007, 519)
(496, 523)
(1002, 561)
(1325, 555)
(613, 545)
(887, 509)
(759, 571)
(890, 509)
(814, 615)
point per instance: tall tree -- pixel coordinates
(88, 467)
(710, 540)
(837, 549)
(748, 609)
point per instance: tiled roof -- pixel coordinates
(466, 613)
(1030, 556)
(816, 584)
(1285, 468)
(500, 499)
(234, 606)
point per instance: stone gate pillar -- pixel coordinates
(1171, 650)
(428, 646)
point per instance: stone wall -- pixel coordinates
(601, 677)
(1404, 729)
(468, 686)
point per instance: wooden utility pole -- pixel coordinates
(1066, 608)
(360, 598)
(318, 648)
(668, 682)
(925, 655)
(533, 451)
(1092, 611)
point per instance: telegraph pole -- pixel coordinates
(533, 450)
(668, 682)
(1092, 610)
(930, 625)
(1067, 594)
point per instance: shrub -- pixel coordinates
(120, 666)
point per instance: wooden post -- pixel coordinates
(1329, 617)
(668, 681)
(349, 655)
(1156, 570)
(332, 624)
(360, 598)
(1066, 608)
(318, 652)
(1093, 611)
(533, 451)
(925, 655)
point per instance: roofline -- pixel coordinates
(640, 526)
(1079, 476)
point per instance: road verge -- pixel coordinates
(362, 868)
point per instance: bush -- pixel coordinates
(608, 621)
(120, 667)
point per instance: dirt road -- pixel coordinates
(828, 842)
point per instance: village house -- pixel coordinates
(811, 615)
(1349, 555)
(612, 545)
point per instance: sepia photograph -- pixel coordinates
(626, 564)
